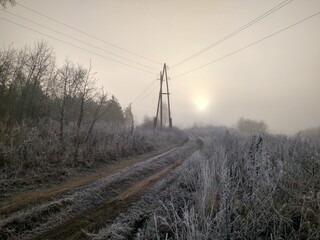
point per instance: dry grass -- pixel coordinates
(37, 219)
(31, 157)
(240, 187)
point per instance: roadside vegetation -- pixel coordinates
(240, 185)
(68, 214)
(55, 121)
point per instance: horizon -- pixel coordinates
(276, 80)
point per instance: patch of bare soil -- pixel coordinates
(139, 220)
(30, 198)
(97, 217)
(91, 206)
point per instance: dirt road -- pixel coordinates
(90, 204)
(22, 200)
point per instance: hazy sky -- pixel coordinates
(276, 80)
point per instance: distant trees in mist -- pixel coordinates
(250, 127)
(4, 3)
(34, 88)
(311, 132)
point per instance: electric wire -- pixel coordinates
(146, 94)
(77, 39)
(75, 46)
(247, 46)
(259, 18)
(88, 34)
(143, 92)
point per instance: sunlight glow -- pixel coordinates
(201, 102)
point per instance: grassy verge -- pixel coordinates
(35, 157)
(236, 187)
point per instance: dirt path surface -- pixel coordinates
(92, 202)
(22, 200)
(97, 217)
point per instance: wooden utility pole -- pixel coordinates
(163, 77)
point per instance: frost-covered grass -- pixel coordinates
(37, 219)
(33, 156)
(249, 187)
(236, 187)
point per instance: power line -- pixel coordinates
(247, 46)
(148, 94)
(66, 35)
(143, 93)
(86, 50)
(87, 34)
(259, 18)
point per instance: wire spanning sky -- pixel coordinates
(276, 80)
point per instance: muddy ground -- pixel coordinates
(86, 205)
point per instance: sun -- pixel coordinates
(201, 102)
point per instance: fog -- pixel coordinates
(276, 80)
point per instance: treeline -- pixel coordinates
(34, 88)
(54, 119)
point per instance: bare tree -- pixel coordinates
(7, 65)
(15, 83)
(65, 88)
(23, 75)
(100, 110)
(40, 60)
(86, 91)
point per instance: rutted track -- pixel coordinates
(91, 206)
(30, 198)
(98, 216)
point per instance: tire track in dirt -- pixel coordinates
(97, 217)
(22, 200)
